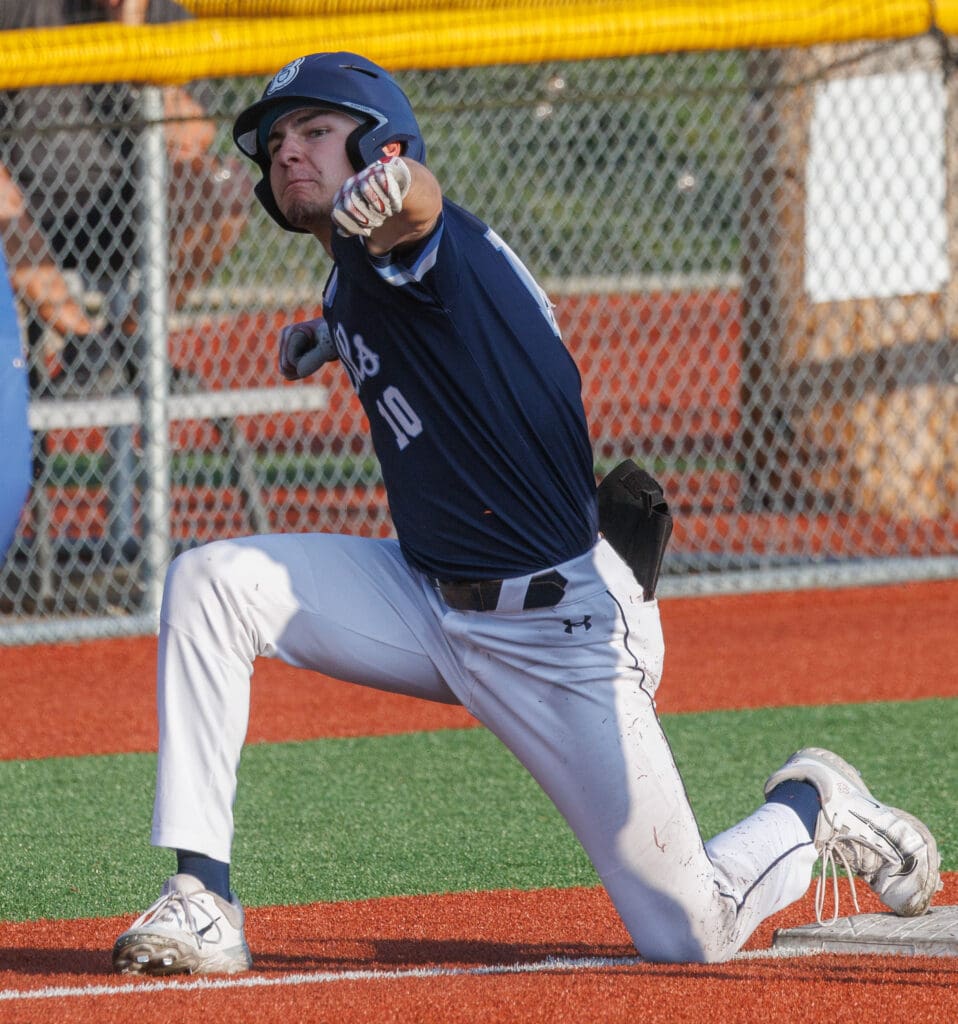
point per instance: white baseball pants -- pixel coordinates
(569, 690)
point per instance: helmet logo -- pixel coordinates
(284, 76)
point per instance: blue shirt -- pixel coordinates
(473, 401)
(15, 463)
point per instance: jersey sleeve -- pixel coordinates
(427, 272)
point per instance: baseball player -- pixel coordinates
(499, 592)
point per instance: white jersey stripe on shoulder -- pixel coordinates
(535, 289)
(398, 275)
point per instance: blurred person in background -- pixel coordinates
(72, 151)
(14, 428)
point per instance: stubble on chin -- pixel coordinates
(306, 215)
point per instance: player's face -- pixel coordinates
(308, 163)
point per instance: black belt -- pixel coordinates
(543, 591)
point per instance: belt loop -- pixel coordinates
(513, 594)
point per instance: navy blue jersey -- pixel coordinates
(473, 401)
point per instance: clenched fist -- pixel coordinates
(366, 199)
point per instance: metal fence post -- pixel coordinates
(154, 307)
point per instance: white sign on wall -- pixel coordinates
(875, 222)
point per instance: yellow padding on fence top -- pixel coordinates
(305, 8)
(435, 35)
(946, 16)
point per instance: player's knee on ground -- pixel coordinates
(666, 930)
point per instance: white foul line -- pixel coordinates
(248, 981)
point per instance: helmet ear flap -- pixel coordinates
(354, 147)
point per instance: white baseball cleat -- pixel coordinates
(187, 930)
(890, 849)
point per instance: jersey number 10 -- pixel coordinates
(400, 416)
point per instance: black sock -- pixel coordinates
(803, 799)
(214, 874)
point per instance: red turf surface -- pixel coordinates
(459, 933)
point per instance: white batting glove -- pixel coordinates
(303, 348)
(366, 199)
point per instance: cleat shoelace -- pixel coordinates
(832, 856)
(173, 907)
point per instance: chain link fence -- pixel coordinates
(750, 255)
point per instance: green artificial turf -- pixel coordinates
(427, 812)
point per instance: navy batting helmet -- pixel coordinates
(338, 81)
